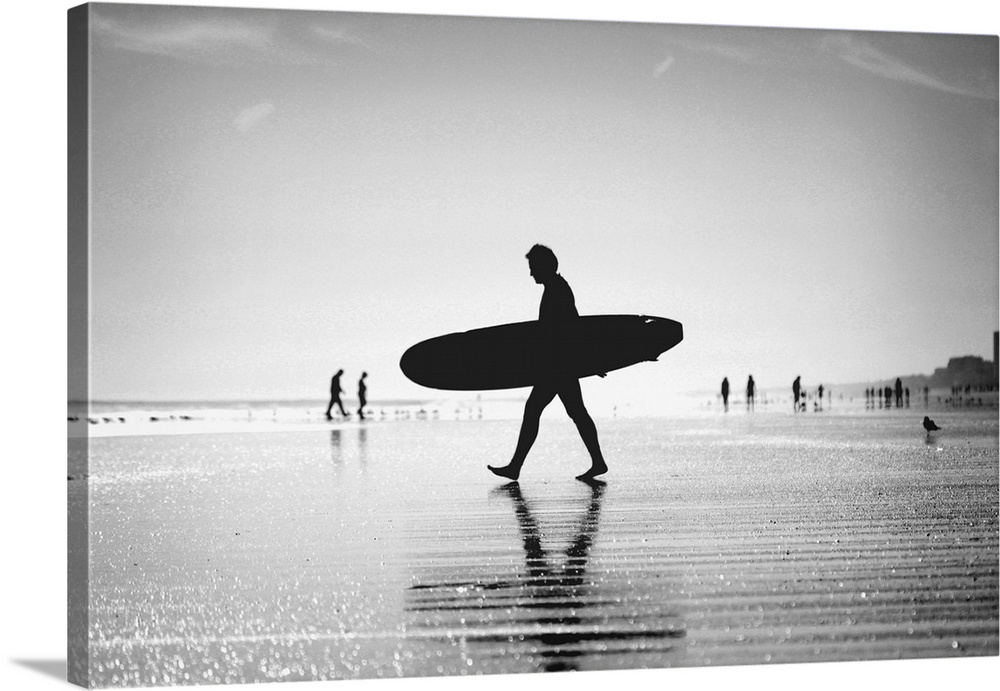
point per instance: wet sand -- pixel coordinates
(386, 550)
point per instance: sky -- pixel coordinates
(276, 195)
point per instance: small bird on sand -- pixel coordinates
(929, 425)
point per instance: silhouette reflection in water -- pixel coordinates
(553, 617)
(350, 456)
(335, 446)
(363, 447)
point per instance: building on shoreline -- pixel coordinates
(996, 347)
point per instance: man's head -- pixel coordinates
(542, 263)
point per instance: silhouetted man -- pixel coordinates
(725, 393)
(797, 392)
(557, 311)
(335, 392)
(362, 399)
(899, 393)
(751, 392)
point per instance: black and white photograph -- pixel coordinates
(457, 342)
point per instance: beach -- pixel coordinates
(341, 550)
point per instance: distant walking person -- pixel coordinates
(796, 392)
(362, 395)
(821, 397)
(556, 311)
(899, 393)
(335, 392)
(751, 392)
(725, 393)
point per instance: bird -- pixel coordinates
(929, 425)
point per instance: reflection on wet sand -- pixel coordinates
(335, 454)
(554, 616)
(276, 556)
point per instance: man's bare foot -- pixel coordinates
(506, 471)
(595, 470)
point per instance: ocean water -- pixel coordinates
(299, 549)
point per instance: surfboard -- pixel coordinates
(511, 356)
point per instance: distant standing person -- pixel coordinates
(725, 393)
(335, 392)
(796, 392)
(751, 392)
(362, 397)
(899, 393)
(821, 397)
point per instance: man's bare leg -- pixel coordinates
(537, 400)
(588, 432)
(572, 399)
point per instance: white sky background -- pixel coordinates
(281, 194)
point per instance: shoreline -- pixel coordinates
(185, 424)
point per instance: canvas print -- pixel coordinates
(423, 346)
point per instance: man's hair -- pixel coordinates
(543, 257)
